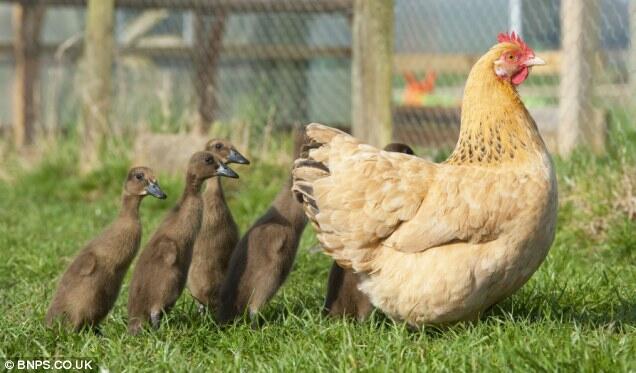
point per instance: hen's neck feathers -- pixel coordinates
(496, 127)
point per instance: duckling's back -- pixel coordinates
(263, 257)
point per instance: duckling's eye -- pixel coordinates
(218, 145)
(139, 176)
(209, 160)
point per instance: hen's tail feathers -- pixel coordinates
(308, 169)
(322, 134)
(314, 164)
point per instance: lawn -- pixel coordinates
(578, 313)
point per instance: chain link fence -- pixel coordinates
(260, 66)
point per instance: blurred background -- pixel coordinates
(153, 78)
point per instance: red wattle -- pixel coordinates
(519, 77)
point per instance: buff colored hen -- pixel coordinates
(440, 243)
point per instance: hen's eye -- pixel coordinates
(218, 145)
(139, 176)
(511, 57)
(209, 160)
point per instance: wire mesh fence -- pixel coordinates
(257, 66)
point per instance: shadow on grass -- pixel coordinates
(307, 312)
(549, 309)
(310, 312)
(535, 311)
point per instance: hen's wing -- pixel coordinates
(464, 204)
(357, 195)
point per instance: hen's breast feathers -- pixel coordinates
(368, 196)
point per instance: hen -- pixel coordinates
(440, 243)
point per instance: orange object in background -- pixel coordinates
(415, 90)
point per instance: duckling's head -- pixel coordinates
(397, 147)
(141, 181)
(204, 165)
(225, 151)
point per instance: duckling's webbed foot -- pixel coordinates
(255, 321)
(155, 319)
(97, 330)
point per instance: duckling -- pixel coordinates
(397, 147)
(343, 296)
(89, 287)
(162, 269)
(217, 236)
(263, 257)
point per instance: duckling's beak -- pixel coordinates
(154, 190)
(224, 170)
(236, 157)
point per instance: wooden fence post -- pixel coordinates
(97, 71)
(577, 116)
(27, 24)
(515, 9)
(632, 57)
(372, 67)
(208, 41)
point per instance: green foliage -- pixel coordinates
(578, 313)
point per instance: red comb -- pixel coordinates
(515, 39)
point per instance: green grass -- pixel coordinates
(578, 313)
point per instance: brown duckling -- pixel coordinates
(343, 296)
(264, 256)
(89, 287)
(397, 147)
(217, 236)
(162, 269)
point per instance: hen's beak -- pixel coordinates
(154, 190)
(236, 157)
(534, 61)
(224, 170)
